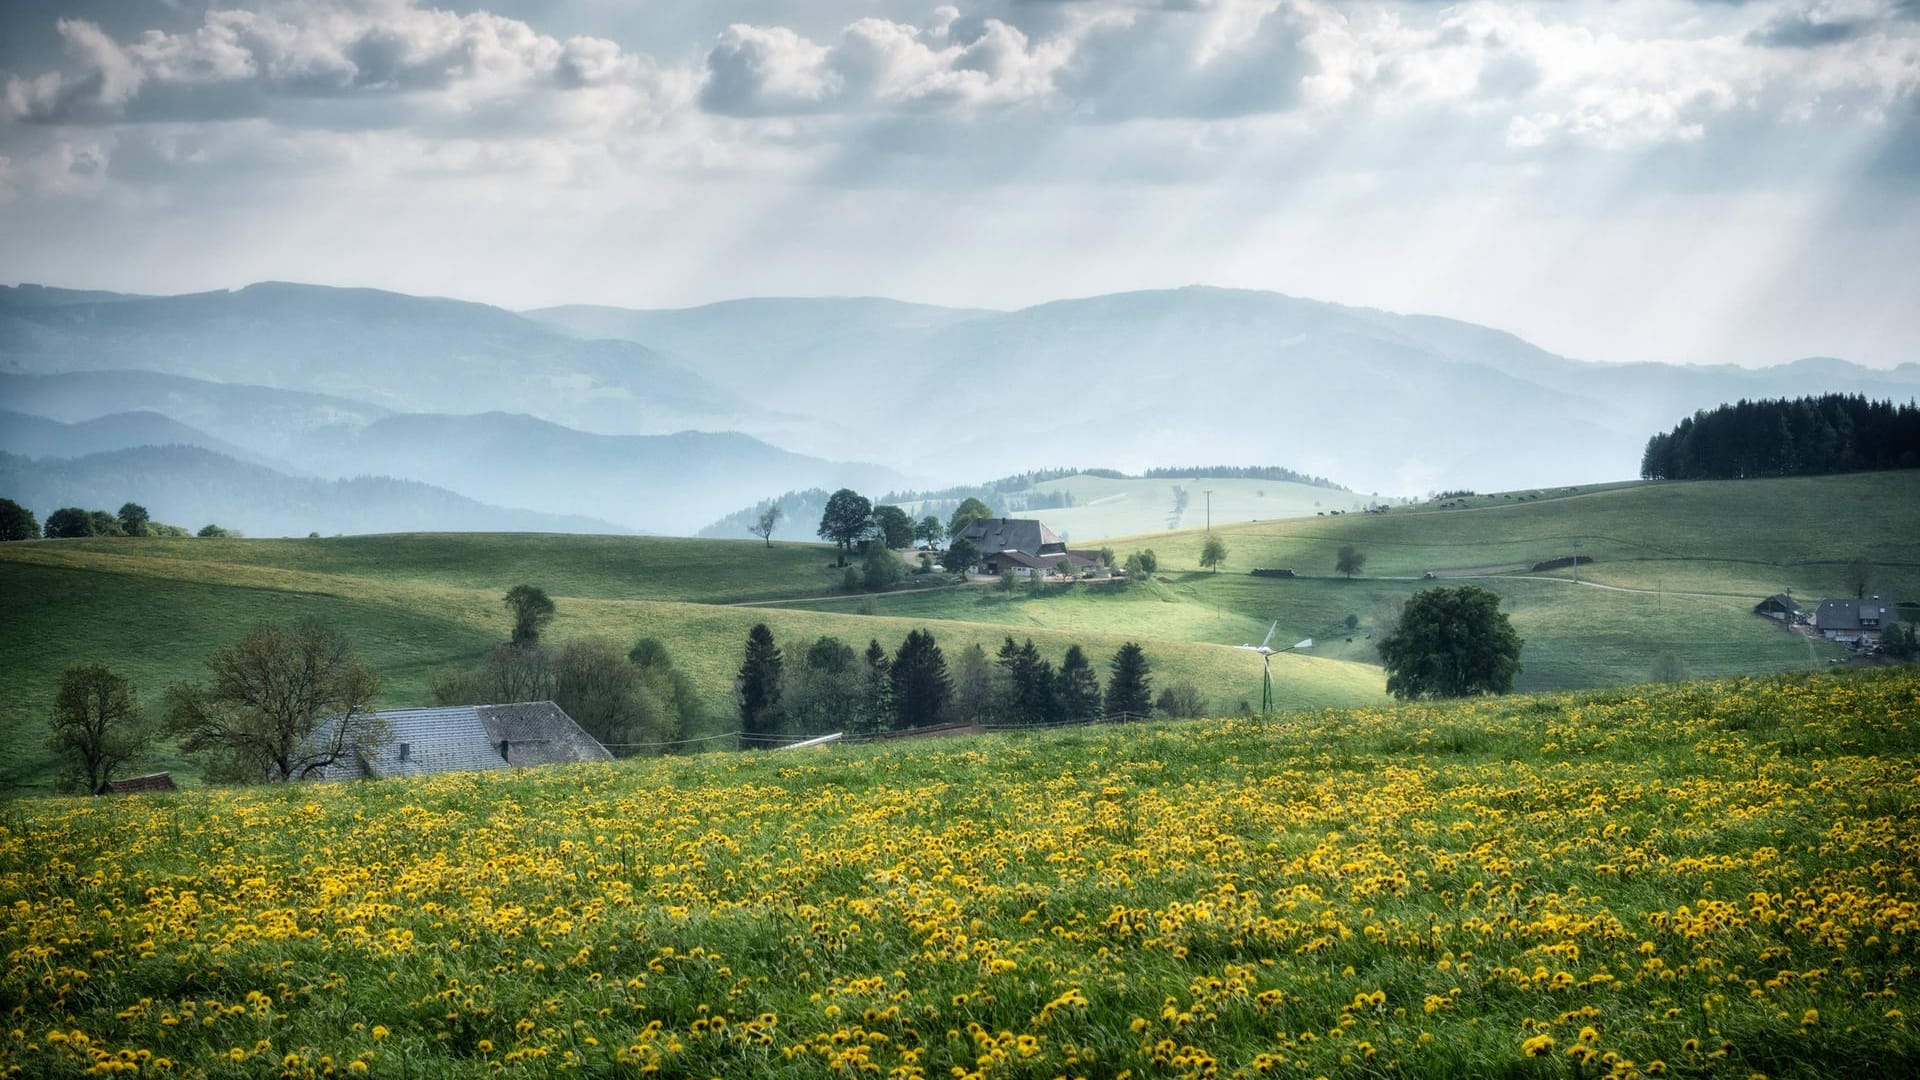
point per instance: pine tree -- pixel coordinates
(759, 683)
(1130, 685)
(1078, 692)
(876, 696)
(921, 687)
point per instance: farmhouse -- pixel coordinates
(1779, 606)
(1023, 545)
(469, 738)
(1852, 620)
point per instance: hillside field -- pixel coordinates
(1679, 567)
(1706, 880)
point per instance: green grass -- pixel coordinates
(1714, 877)
(415, 603)
(1104, 507)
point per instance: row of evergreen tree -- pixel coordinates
(1787, 437)
(829, 687)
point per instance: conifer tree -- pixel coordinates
(759, 683)
(1130, 685)
(922, 688)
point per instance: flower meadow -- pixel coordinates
(1713, 879)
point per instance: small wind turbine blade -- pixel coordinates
(1306, 644)
(1268, 640)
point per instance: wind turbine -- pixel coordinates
(1267, 653)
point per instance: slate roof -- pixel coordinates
(1027, 535)
(1869, 614)
(1778, 601)
(469, 738)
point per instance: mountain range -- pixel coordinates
(666, 420)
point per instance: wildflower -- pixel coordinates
(1538, 1046)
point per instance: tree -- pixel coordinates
(105, 524)
(881, 569)
(282, 705)
(98, 725)
(894, 526)
(970, 509)
(613, 699)
(1213, 553)
(1181, 701)
(961, 557)
(822, 693)
(922, 688)
(69, 522)
(1107, 557)
(1030, 684)
(1900, 642)
(17, 522)
(669, 683)
(758, 686)
(1077, 694)
(509, 674)
(531, 609)
(876, 690)
(1129, 682)
(846, 521)
(1349, 560)
(929, 531)
(1451, 642)
(133, 519)
(1142, 564)
(763, 525)
(976, 687)
(208, 532)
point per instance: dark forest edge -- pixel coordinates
(1805, 436)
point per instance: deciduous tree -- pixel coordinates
(764, 525)
(1451, 642)
(1349, 560)
(970, 509)
(133, 519)
(847, 520)
(282, 704)
(961, 557)
(531, 609)
(929, 531)
(1213, 553)
(69, 522)
(894, 527)
(98, 725)
(17, 522)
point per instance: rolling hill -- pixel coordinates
(192, 486)
(1383, 402)
(401, 353)
(36, 436)
(1680, 566)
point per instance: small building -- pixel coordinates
(142, 785)
(1023, 545)
(1779, 606)
(1853, 620)
(469, 738)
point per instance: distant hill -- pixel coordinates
(191, 486)
(265, 421)
(655, 483)
(403, 353)
(36, 436)
(1385, 402)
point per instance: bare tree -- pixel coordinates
(764, 525)
(283, 704)
(97, 724)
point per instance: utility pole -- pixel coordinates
(1209, 494)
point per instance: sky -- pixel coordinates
(1693, 181)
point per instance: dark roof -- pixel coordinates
(134, 785)
(992, 535)
(1778, 600)
(539, 733)
(1869, 614)
(468, 738)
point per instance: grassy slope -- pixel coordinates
(1105, 507)
(155, 616)
(1735, 542)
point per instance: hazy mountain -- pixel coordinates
(1381, 401)
(403, 353)
(190, 486)
(265, 421)
(657, 483)
(37, 436)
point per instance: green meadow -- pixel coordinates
(1678, 567)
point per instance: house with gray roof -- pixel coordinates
(1853, 620)
(468, 738)
(1778, 606)
(1023, 545)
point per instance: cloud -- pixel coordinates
(291, 61)
(1813, 27)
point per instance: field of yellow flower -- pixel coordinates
(1717, 879)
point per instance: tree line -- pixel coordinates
(1786, 437)
(18, 523)
(828, 686)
